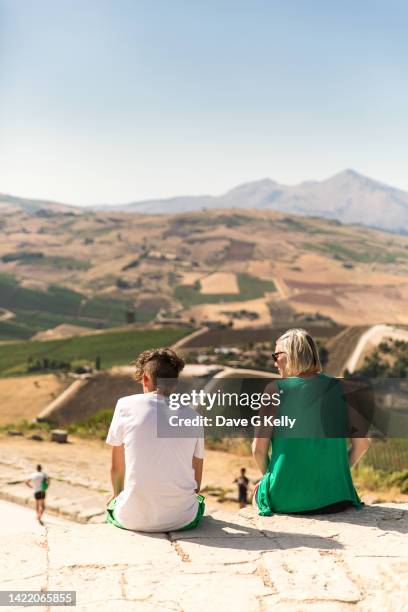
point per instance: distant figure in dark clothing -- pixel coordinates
(242, 483)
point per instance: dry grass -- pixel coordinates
(219, 283)
(62, 331)
(189, 278)
(24, 397)
(213, 312)
(367, 293)
(261, 269)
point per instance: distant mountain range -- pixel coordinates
(348, 197)
(32, 206)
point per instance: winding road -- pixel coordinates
(375, 335)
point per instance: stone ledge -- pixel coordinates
(356, 560)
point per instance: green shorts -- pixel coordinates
(110, 514)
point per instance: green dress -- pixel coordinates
(310, 472)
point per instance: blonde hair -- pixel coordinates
(301, 351)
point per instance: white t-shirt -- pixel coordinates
(159, 489)
(36, 478)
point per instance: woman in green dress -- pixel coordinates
(308, 471)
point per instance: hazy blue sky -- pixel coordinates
(113, 101)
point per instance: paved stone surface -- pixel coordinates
(356, 560)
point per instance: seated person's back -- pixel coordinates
(309, 469)
(161, 475)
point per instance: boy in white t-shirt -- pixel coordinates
(155, 480)
(39, 481)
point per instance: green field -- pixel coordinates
(37, 310)
(250, 288)
(114, 348)
(369, 254)
(39, 259)
(10, 331)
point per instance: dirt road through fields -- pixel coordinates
(374, 336)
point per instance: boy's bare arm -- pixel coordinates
(118, 469)
(198, 471)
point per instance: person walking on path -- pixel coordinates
(39, 481)
(308, 471)
(242, 482)
(156, 478)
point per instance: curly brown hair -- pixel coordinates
(158, 363)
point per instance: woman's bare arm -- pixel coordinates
(359, 399)
(263, 433)
(358, 448)
(260, 448)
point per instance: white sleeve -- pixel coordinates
(199, 447)
(115, 435)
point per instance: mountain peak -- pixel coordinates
(264, 183)
(350, 177)
(349, 173)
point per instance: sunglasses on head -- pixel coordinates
(275, 355)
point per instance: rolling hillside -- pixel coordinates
(236, 268)
(35, 309)
(113, 348)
